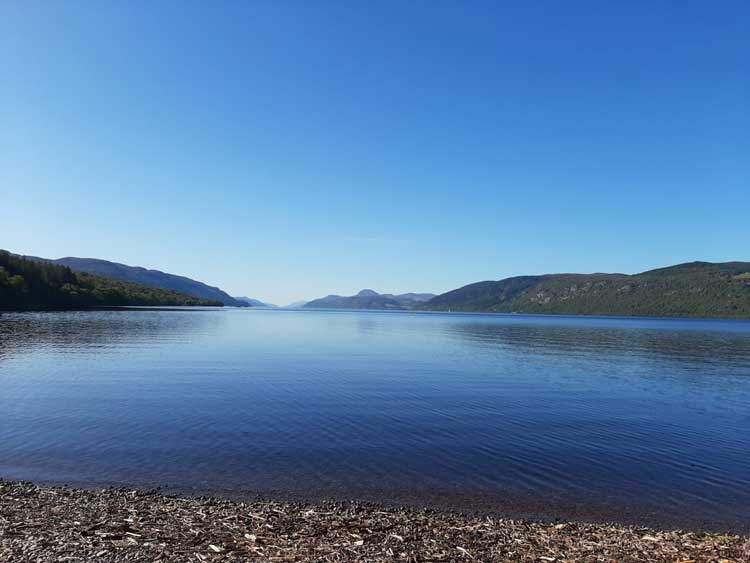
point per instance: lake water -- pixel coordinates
(629, 419)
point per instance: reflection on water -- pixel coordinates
(628, 413)
(620, 340)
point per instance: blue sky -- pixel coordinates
(287, 150)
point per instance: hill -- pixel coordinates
(143, 276)
(28, 283)
(369, 299)
(256, 303)
(695, 289)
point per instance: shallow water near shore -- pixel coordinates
(620, 418)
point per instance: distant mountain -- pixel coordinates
(367, 293)
(369, 299)
(255, 303)
(151, 278)
(296, 305)
(36, 283)
(694, 289)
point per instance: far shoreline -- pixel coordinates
(188, 308)
(53, 309)
(506, 314)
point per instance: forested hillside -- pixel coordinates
(26, 283)
(695, 289)
(144, 276)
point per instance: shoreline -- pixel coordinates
(44, 523)
(602, 316)
(493, 504)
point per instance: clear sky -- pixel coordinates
(287, 150)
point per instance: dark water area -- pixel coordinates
(637, 420)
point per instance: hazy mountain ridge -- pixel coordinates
(694, 289)
(256, 302)
(143, 276)
(369, 299)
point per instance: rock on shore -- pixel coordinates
(47, 524)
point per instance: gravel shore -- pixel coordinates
(51, 524)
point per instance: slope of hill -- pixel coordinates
(27, 283)
(695, 289)
(256, 303)
(369, 299)
(151, 278)
(410, 300)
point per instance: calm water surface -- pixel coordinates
(616, 416)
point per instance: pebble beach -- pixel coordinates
(54, 524)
